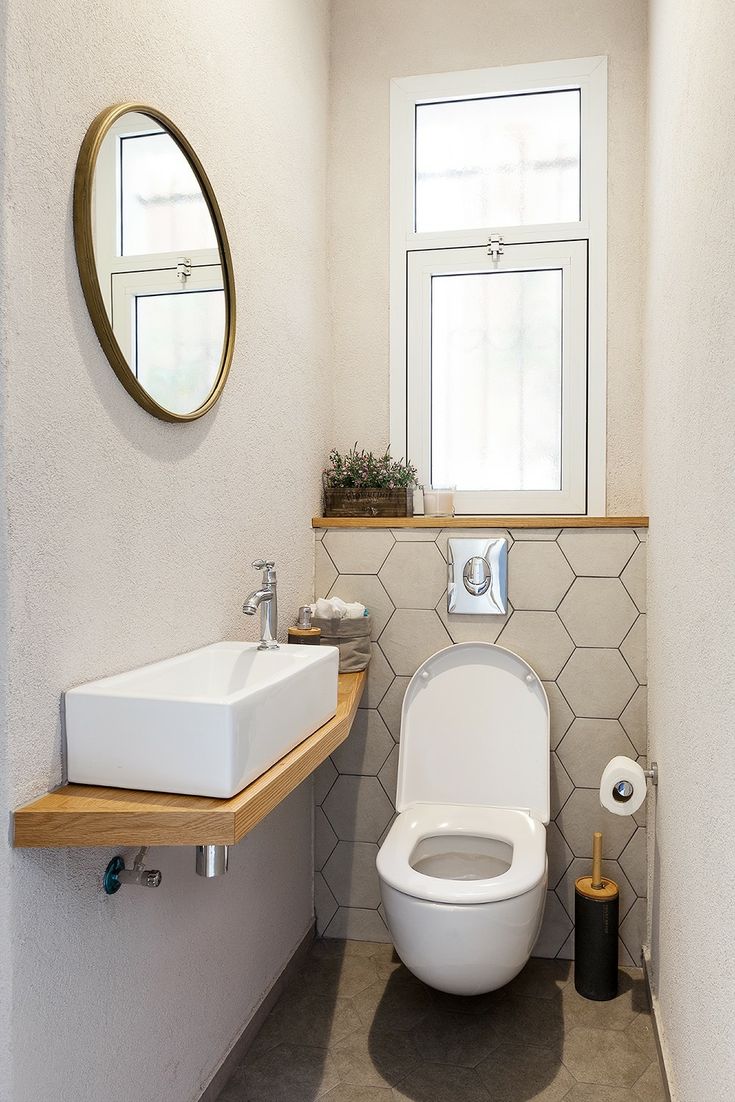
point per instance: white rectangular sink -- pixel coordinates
(205, 723)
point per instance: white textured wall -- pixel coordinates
(130, 539)
(691, 490)
(372, 42)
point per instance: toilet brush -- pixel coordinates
(596, 908)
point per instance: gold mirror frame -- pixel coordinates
(84, 245)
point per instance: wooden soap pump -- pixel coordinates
(596, 910)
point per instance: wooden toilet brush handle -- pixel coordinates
(596, 860)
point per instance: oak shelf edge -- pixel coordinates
(77, 815)
(479, 522)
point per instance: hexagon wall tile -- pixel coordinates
(633, 929)
(588, 746)
(412, 636)
(558, 852)
(388, 775)
(468, 628)
(379, 679)
(369, 591)
(538, 575)
(633, 860)
(358, 808)
(634, 578)
(597, 683)
(351, 874)
(597, 612)
(414, 575)
(391, 705)
(535, 533)
(358, 550)
(325, 905)
(561, 714)
(635, 720)
(367, 746)
(540, 638)
(598, 552)
(324, 572)
(555, 928)
(634, 650)
(324, 838)
(560, 785)
(583, 814)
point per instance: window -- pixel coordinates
(498, 258)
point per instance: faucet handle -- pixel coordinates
(263, 564)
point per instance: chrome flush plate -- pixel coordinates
(478, 576)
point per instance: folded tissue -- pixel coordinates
(330, 608)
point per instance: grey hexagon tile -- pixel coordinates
(391, 705)
(412, 636)
(642, 534)
(516, 1072)
(324, 571)
(558, 853)
(351, 875)
(325, 905)
(324, 777)
(633, 929)
(603, 1056)
(597, 612)
(560, 785)
(540, 638)
(379, 678)
(319, 533)
(414, 575)
(535, 533)
(633, 860)
(634, 577)
(358, 924)
(650, 1088)
(583, 814)
(384, 835)
(369, 591)
(640, 815)
(588, 746)
(324, 839)
(470, 533)
(357, 808)
(388, 775)
(538, 575)
(358, 550)
(366, 747)
(597, 683)
(554, 928)
(598, 552)
(468, 628)
(415, 535)
(567, 950)
(634, 650)
(561, 714)
(635, 720)
(582, 866)
(624, 958)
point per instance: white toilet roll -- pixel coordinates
(623, 786)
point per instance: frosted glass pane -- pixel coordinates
(504, 161)
(179, 341)
(163, 208)
(496, 380)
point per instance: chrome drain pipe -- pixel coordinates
(212, 860)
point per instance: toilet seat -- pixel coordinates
(525, 834)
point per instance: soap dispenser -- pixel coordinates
(302, 632)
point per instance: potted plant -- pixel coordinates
(361, 484)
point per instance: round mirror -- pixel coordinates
(154, 262)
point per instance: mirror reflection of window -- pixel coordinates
(158, 263)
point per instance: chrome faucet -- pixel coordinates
(265, 599)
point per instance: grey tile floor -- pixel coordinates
(356, 1026)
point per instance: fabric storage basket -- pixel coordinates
(352, 637)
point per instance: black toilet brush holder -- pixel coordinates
(596, 914)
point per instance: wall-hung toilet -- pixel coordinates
(463, 869)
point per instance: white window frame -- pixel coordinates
(589, 75)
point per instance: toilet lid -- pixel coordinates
(475, 731)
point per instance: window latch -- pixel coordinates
(183, 268)
(495, 246)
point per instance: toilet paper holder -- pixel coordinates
(652, 773)
(623, 790)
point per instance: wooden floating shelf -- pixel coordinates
(479, 522)
(86, 815)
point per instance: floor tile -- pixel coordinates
(288, 1073)
(649, 1087)
(441, 1083)
(641, 1032)
(542, 979)
(401, 1003)
(335, 976)
(539, 1022)
(375, 1058)
(315, 1020)
(590, 1092)
(519, 1073)
(345, 1093)
(616, 1013)
(451, 1038)
(604, 1056)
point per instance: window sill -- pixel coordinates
(479, 522)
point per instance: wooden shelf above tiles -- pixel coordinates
(84, 815)
(479, 522)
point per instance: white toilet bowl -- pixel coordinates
(463, 868)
